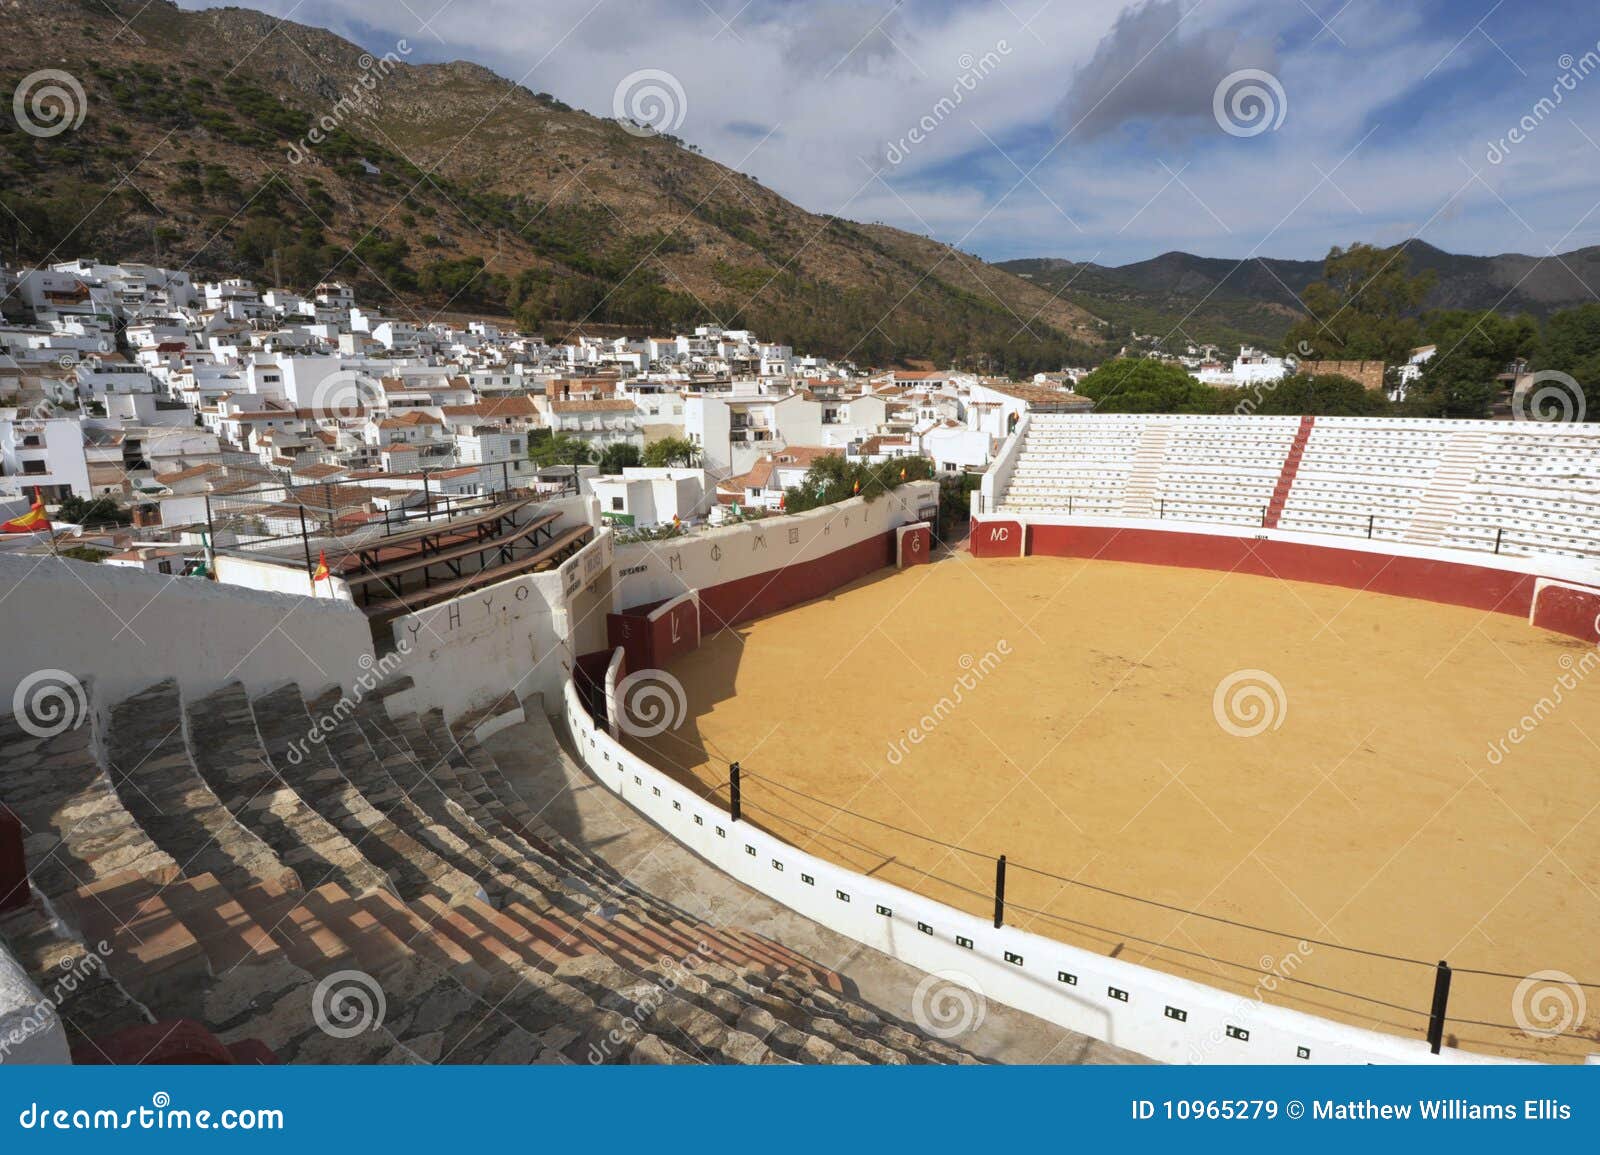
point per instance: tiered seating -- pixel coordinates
(233, 863)
(1541, 487)
(1361, 473)
(1523, 488)
(1219, 469)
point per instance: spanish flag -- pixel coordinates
(321, 572)
(902, 473)
(34, 521)
(857, 487)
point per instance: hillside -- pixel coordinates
(485, 198)
(1255, 301)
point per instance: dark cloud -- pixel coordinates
(1156, 68)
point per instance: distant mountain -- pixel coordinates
(227, 141)
(1230, 302)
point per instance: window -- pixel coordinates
(616, 504)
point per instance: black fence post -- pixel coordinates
(1441, 1001)
(1163, 509)
(427, 498)
(734, 807)
(1371, 521)
(1265, 509)
(305, 538)
(999, 892)
(505, 477)
(1498, 534)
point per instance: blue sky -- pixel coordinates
(1084, 129)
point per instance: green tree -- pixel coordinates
(1571, 345)
(832, 478)
(620, 455)
(1473, 350)
(1140, 385)
(100, 511)
(1319, 395)
(1365, 308)
(547, 448)
(671, 451)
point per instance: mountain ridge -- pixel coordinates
(486, 196)
(1256, 299)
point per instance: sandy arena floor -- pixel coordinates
(1082, 734)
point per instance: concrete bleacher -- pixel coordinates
(215, 863)
(1522, 488)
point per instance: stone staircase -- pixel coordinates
(1142, 497)
(262, 866)
(1447, 488)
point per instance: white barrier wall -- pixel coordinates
(126, 629)
(654, 571)
(998, 476)
(520, 636)
(1166, 1018)
(276, 577)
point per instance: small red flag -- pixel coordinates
(321, 572)
(857, 488)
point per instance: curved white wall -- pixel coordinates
(1011, 966)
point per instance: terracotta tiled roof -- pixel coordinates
(491, 410)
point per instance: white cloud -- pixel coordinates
(810, 97)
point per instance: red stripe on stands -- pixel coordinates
(1286, 476)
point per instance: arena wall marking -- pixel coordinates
(1161, 1016)
(913, 544)
(745, 571)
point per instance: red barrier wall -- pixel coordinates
(653, 639)
(767, 593)
(997, 539)
(1568, 609)
(914, 545)
(1452, 583)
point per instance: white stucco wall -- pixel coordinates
(519, 636)
(30, 1031)
(126, 630)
